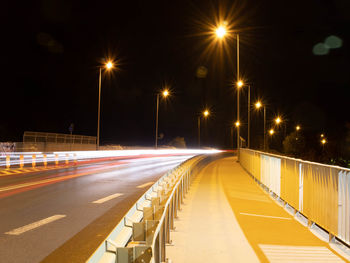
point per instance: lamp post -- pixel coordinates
(109, 65)
(205, 115)
(248, 116)
(221, 32)
(239, 85)
(165, 94)
(258, 105)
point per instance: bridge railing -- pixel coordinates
(142, 234)
(321, 193)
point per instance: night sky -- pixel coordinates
(52, 50)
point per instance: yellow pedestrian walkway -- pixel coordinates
(227, 217)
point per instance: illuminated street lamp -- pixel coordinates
(205, 115)
(239, 85)
(297, 128)
(322, 135)
(220, 33)
(165, 93)
(258, 105)
(271, 131)
(108, 66)
(323, 141)
(237, 123)
(278, 120)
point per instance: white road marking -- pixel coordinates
(34, 225)
(107, 198)
(315, 254)
(276, 217)
(145, 185)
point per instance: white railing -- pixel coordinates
(141, 236)
(319, 192)
(33, 159)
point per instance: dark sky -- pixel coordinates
(51, 51)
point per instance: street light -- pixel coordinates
(165, 93)
(271, 131)
(205, 115)
(239, 85)
(278, 120)
(108, 66)
(258, 105)
(220, 33)
(297, 127)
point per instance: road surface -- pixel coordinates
(63, 215)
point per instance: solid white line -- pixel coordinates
(145, 185)
(34, 225)
(107, 198)
(277, 217)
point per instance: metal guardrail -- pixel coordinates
(141, 236)
(21, 159)
(319, 192)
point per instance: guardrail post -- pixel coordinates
(45, 160)
(56, 159)
(67, 158)
(182, 190)
(75, 159)
(21, 161)
(8, 162)
(33, 160)
(176, 202)
(172, 213)
(167, 223)
(162, 236)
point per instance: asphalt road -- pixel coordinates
(63, 215)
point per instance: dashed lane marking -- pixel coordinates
(34, 225)
(145, 185)
(107, 198)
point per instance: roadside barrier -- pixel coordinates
(34, 159)
(142, 235)
(319, 192)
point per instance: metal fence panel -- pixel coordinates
(320, 192)
(290, 182)
(344, 206)
(320, 197)
(271, 173)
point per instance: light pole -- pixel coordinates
(109, 65)
(205, 115)
(248, 116)
(258, 105)
(239, 85)
(165, 94)
(221, 32)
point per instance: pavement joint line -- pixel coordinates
(267, 216)
(107, 198)
(34, 225)
(145, 185)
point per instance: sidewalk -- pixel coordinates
(227, 217)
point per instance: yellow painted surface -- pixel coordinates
(227, 217)
(245, 196)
